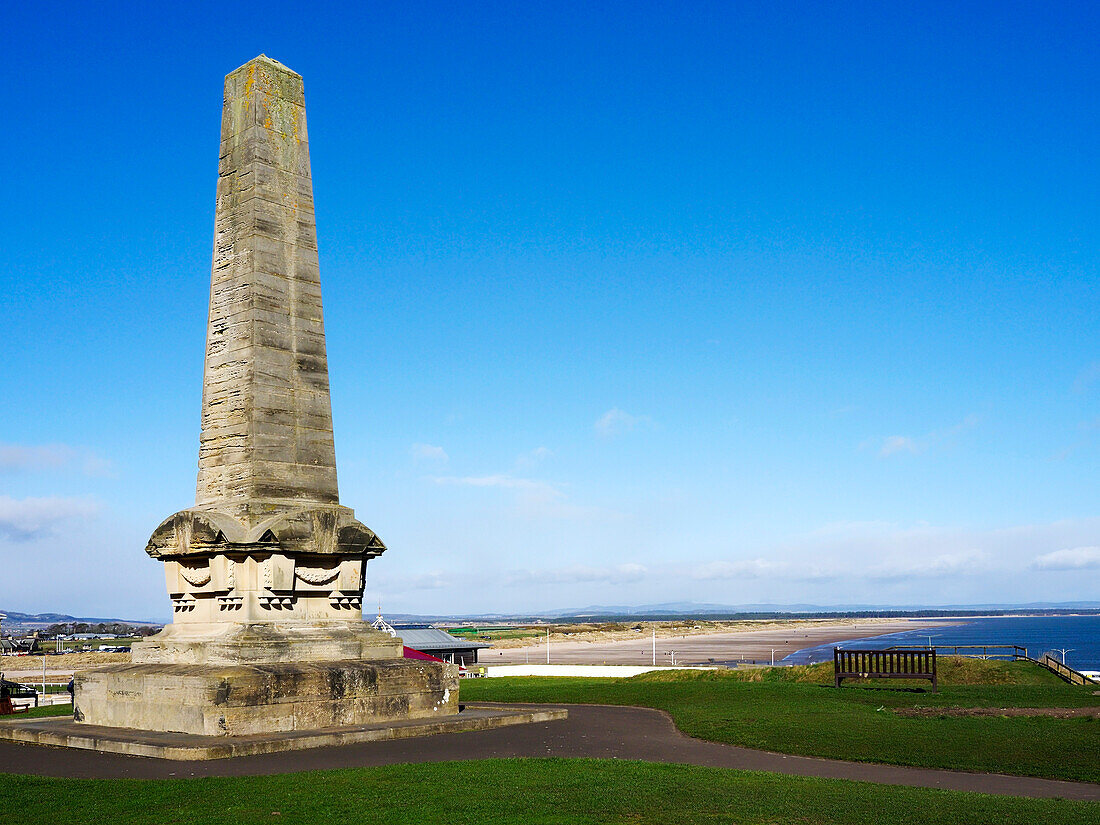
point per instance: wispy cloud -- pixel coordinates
(435, 580)
(1074, 558)
(34, 458)
(893, 445)
(576, 574)
(898, 567)
(617, 422)
(840, 412)
(533, 458)
(966, 562)
(428, 452)
(535, 500)
(1087, 377)
(502, 480)
(743, 569)
(28, 518)
(761, 568)
(1088, 428)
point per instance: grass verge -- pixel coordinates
(508, 790)
(45, 710)
(797, 710)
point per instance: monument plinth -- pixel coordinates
(266, 571)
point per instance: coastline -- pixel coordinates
(752, 642)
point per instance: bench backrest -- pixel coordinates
(920, 663)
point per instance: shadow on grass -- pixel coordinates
(875, 689)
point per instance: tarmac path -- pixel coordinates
(593, 731)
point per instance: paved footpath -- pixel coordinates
(596, 731)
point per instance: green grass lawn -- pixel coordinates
(797, 710)
(45, 710)
(509, 790)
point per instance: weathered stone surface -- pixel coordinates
(267, 523)
(228, 643)
(265, 300)
(242, 700)
(266, 571)
(65, 733)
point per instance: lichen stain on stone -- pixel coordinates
(221, 696)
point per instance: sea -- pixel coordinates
(1078, 636)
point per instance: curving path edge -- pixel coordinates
(591, 731)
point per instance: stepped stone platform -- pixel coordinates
(67, 733)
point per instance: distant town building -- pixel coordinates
(18, 647)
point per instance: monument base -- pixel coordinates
(65, 733)
(249, 699)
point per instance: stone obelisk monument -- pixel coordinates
(266, 571)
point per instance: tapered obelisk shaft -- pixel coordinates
(266, 416)
(267, 539)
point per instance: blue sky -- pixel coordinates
(626, 302)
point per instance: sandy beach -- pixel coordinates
(754, 641)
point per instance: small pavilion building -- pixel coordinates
(439, 643)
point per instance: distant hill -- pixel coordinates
(16, 622)
(696, 610)
(25, 622)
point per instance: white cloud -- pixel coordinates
(967, 424)
(45, 457)
(1075, 558)
(533, 458)
(967, 562)
(34, 457)
(576, 574)
(535, 500)
(436, 580)
(616, 422)
(428, 452)
(502, 480)
(859, 551)
(1087, 377)
(897, 444)
(759, 568)
(746, 569)
(29, 518)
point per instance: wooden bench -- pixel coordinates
(9, 692)
(899, 663)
